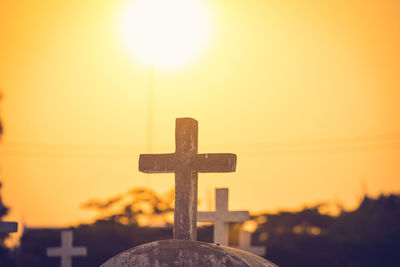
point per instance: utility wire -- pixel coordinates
(314, 146)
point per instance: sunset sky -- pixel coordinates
(306, 93)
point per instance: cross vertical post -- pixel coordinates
(245, 244)
(185, 214)
(186, 163)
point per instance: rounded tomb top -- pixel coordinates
(173, 252)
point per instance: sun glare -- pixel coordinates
(165, 34)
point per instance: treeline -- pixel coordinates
(367, 236)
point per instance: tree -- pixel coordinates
(140, 206)
(3, 212)
(6, 259)
(367, 236)
(122, 222)
(5, 253)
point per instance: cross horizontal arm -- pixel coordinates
(79, 251)
(238, 216)
(157, 163)
(205, 216)
(8, 227)
(71, 251)
(54, 252)
(213, 162)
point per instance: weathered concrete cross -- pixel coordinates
(245, 244)
(222, 216)
(186, 163)
(66, 251)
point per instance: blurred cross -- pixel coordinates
(245, 244)
(222, 216)
(186, 163)
(8, 227)
(66, 251)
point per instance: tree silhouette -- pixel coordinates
(5, 253)
(367, 236)
(122, 222)
(139, 206)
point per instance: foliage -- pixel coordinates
(3, 208)
(5, 253)
(367, 236)
(139, 206)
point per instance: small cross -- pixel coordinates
(245, 244)
(66, 251)
(222, 216)
(8, 227)
(186, 163)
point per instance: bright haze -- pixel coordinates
(306, 93)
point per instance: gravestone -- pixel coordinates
(222, 216)
(66, 251)
(245, 244)
(184, 253)
(184, 250)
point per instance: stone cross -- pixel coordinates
(8, 227)
(66, 251)
(222, 216)
(186, 163)
(245, 244)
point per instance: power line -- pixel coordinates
(312, 146)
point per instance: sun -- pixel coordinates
(165, 34)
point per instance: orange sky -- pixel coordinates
(306, 94)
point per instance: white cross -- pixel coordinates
(222, 216)
(66, 251)
(245, 244)
(8, 227)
